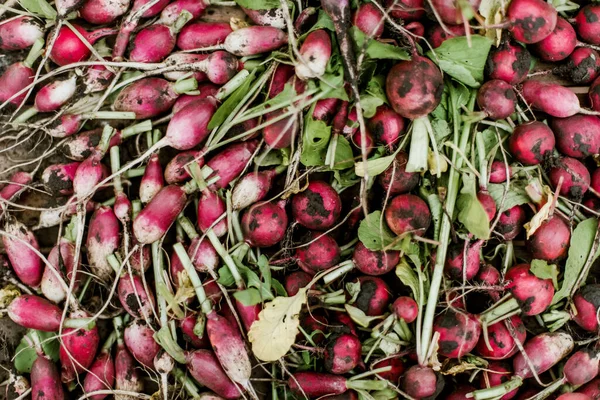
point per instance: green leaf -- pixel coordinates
(269, 158)
(374, 233)
(26, 354)
(375, 166)
(376, 49)
(253, 281)
(516, 194)
(323, 22)
(369, 104)
(232, 101)
(408, 277)
(248, 297)
(580, 246)
(374, 97)
(314, 141)
(359, 316)
(332, 82)
(441, 130)
(471, 212)
(278, 287)
(265, 269)
(225, 277)
(462, 62)
(345, 179)
(258, 4)
(284, 97)
(39, 7)
(344, 158)
(543, 270)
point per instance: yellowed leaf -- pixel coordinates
(542, 215)
(274, 333)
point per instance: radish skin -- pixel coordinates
(229, 163)
(152, 181)
(102, 241)
(20, 33)
(20, 251)
(61, 257)
(102, 12)
(159, 214)
(77, 350)
(134, 298)
(205, 368)
(315, 52)
(202, 34)
(45, 380)
(34, 312)
(544, 351)
(254, 40)
(140, 342)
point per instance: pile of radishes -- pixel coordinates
(331, 199)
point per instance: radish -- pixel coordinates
(69, 49)
(436, 35)
(70, 124)
(496, 374)
(509, 62)
(587, 22)
(315, 53)
(34, 312)
(576, 136)
(134, 298)
(451, 12)
(371, 262)
(175, 171)
(374, 296)
(551, 98)
(533, 294)
(461, 393)
(189, 336)
(496, 99)
(582, 66)
(140, 342)
(511, 222)
(576, 177)
(498, 172)
(502, 344)
(317, 385)
(140, 258)
(488, 203)
(280, 134)
(408, 214)
(386, 126)
(200, 76)
(592, 389)
(574, 396)
(78, 348)
(594, 95)
(581, 367)
(201, 34)
(395, 373)
(531, 20)
(51, 97)
(264, 224)
(283, 73)
(19, 75)
(152, 181)
(325, 109)
(550, 241)
(457, 268)
(271, 17)
(101, 375)
(210, 208)
(127, 376)
(559, 44)
(18, 183)
(587, 303)
(20, 248)
(318, 207)
(173, 11)
(58, 178)
(406, 309)
(544, 351)
(458, 333)
(407, 10)
(422, 382)
(101, 12)
(342, 354)
(312, 323)
(395, 179)
(230, 162)
(414, 88)
(369, 19)
(254, 40)
(102, 241)
(20, 33)
(252, 188)
(321, 253)
(204, 367)
(62, 263)
(296, 281)
(532, 143)
(206, 89)
(189, 126)
(97, 78)
(45, 380)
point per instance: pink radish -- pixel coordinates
(450, 12)
(273, 17)
(173, 11)
(210, 208)
(18, 182)
(185, 58)
(496, 99)
(488, 203)
(407, 213)
(422, 382)
(531, 20)
(395, 179)
(532, 143)
(459, 333)
(206, 89)
(315, 52)
(502, 343)
(51, 97)
(264, 224)
(320, 253)
(457, 267)
(101, 12)
(175, 171)
(45, 380)
(102, 372)
(69, 49)
(342, 353)
(140, 342)
(509, 62)
(251, 188)
(315, 385)
(20, 33)
(533, 294)
(592, 390)
(511, 222)
(498, 172)
(58, 178)
(406, 308)
(78, 348)
(19, 75)
(575, 175)
(70, 124)
(369, 19)
(318, 207)
(550, 241)
(134, 298)
(559, 44)
(230, 162)
(201, 34)
(187, 329)
(490, 276)
(152, 181)
(254, 40)
(407, 10)
(372, 262)
(374, 296)
(34, 312)
(20, 248)
(325, 109)
(577, 136)
(544, 351)
(496, 374)
(205, 368)
(587, 22)
(283, 73)
(551, 98)
(581, 367)
(61, 258)
(280, 134)
(102, 241)
(587, 303)
(127, 376)
(189, 126)
(386, 126)
(438, 35)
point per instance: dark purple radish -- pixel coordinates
(102, 12)
(315, 52)
(559, 44)
(62, 265)
(577, 136)
(550, 241)
(134, 298)
(533, 294)
(230, 162)
(531, 143)
(408, 214)
(414, 88)
(374, 296)
(254, 40)
(407, 10)
(422, 382)
(34, 312)
(459, 333)
(488, 203)
(280, 134)
(77, 349)
(544, 351)
(374, 262)
(461, 393)
(18, 183)
(264, 224)
(152, 180)
(210, 208)
(587, 23)
(203, 255)
(575, 177)
(395, 180)
(498, 172)
(21, 248)
(318, 207)
(58, 178)
(187, 325)
(587, 303)
(204, 367)
(582, 67)
(69, 49)
(450, 12)
(406, 308)
(594, 95)
(316, 385)
(551, 98)
(436, 35)
(509, 62)
(497, 99)
(270, 17)
(102, 241)
(457, 268)
(20, 33)
(510, 223)
(296, 281)
(201, 34)
(140, 342)
(395, 373)
(502, 343)
(531, 20)
(496, 374)
(321, 253)
(175, 171)
(386, 126)
(101, 375)
(369, 19)
(581, 367)
(342, 354)
(252, 188)
(45, 380)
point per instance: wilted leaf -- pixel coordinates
(374, 167)
(408, 277)
(389, 344)
(542, 215)
(359, 316)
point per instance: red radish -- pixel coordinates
(498, 172)
(45, 380)
(511, 222)
(414, 88)
(502, 343)
(58, 178)
(531, 143)
(374, 296)
(551, 98)
(201, 34)
(254, 40)
(422, 382)
(283, 73)
(20, 33)
(581, 367)
(395, 373)
(210, 208)
(70, 124)
(316, 385)
(559, 44)
(264, 224)
(252, 188)
(369, 142)
(374, 262)
(173, 11)
(533, 294)
(488, 203)
(407, 10)
(438, 35)
(587, 303)
(408, 214)
(140, 342)
(456, 266)
(594, 95)
(230, 162)
(544, 351)
(189, 126)
(576, 177)
(587, 22)
(318, 207)
(339, 120)
(531, 20)
(496, 374)
(204, 367)
(62, 263)
(369, 19)
(69, 49)
(296, 281)
(101, 12)
(496, 99)
(77, 349)
(461, 393)
(451, 12)
(342, 323)
(577, 136)
(574, 396)
(134, 298)
(312, 323)
(206, 89)
(34, 312)
(189, 336)
(126, 372)
(102, 241)
(97, 78)
(395, 179)
(51, 97)
(270, 17)
(102, 373)
(351, 126)
(459, 333)
(280, 134)
(200, 76)
(406, 308)
(152, 181)
(315, 53)
(509, 62)
(592, 390)
(18, 76)
(416, 28)
(175, 171)
(582, 66)
(20, 248)
(342, 354)
(386, 126)
(550, 241)
(321, 253)
(18, 183)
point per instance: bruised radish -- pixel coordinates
(271, 17)
(587, 303)
(531, 143)
(488, 203)
(34, 312)
(296, 281)
(77, 349)
(395, 179)
(576, 177)
(407, 10)
(450, 11)
(374, 296)
(509, 62)
(438, 35)
(544, 351)
(251, 188)
(20, 33)
(58, 178)
(551, 98)
(511, 222)
(21, 247)
(152, 180)
(45, 380)
(456, 266)
(318, 207)
(422, 382)
(582, 66)
(175, 171)
(254, 40)
(559, 44)
(386, 126)
(587, 22)
(230, 162)
(140, 342)
(533, 294)
(204, 367)
(61, 258)
(102, 12)
(321, 252)
(496, 374)
(264, 224)
(315, 52)
(406, 308)
(201, 34)
(502, 343)
(369, 19)
(408, 214)
(342, 354)
(102, 241)
(550, 241)
(497, 99)
(531, 20)
(459, 333)
(134, 298)
(581, 367)
(577, 136)
(69, 49)
(374, 262)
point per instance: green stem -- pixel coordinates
(371, 373)
(114, 263)
(483, 165)
(188, 227)
(188, 384)
(186, 85)
(118, 325)
(84, 289)
(233, 84)
(136, 207)
(157, 267)
(419, 146)
(135, 172)
(77, 323)
(109, 341)
(108, 115)
(166, 341)
(115, 166)
(344, 268)
(133, 130)
(366, 385)
(498, 391)
(183, 18)
(26, 115)
(34, 52)
(107, 133)
(205, 303)
(497, 314)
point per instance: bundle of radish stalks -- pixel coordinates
(388, 199)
